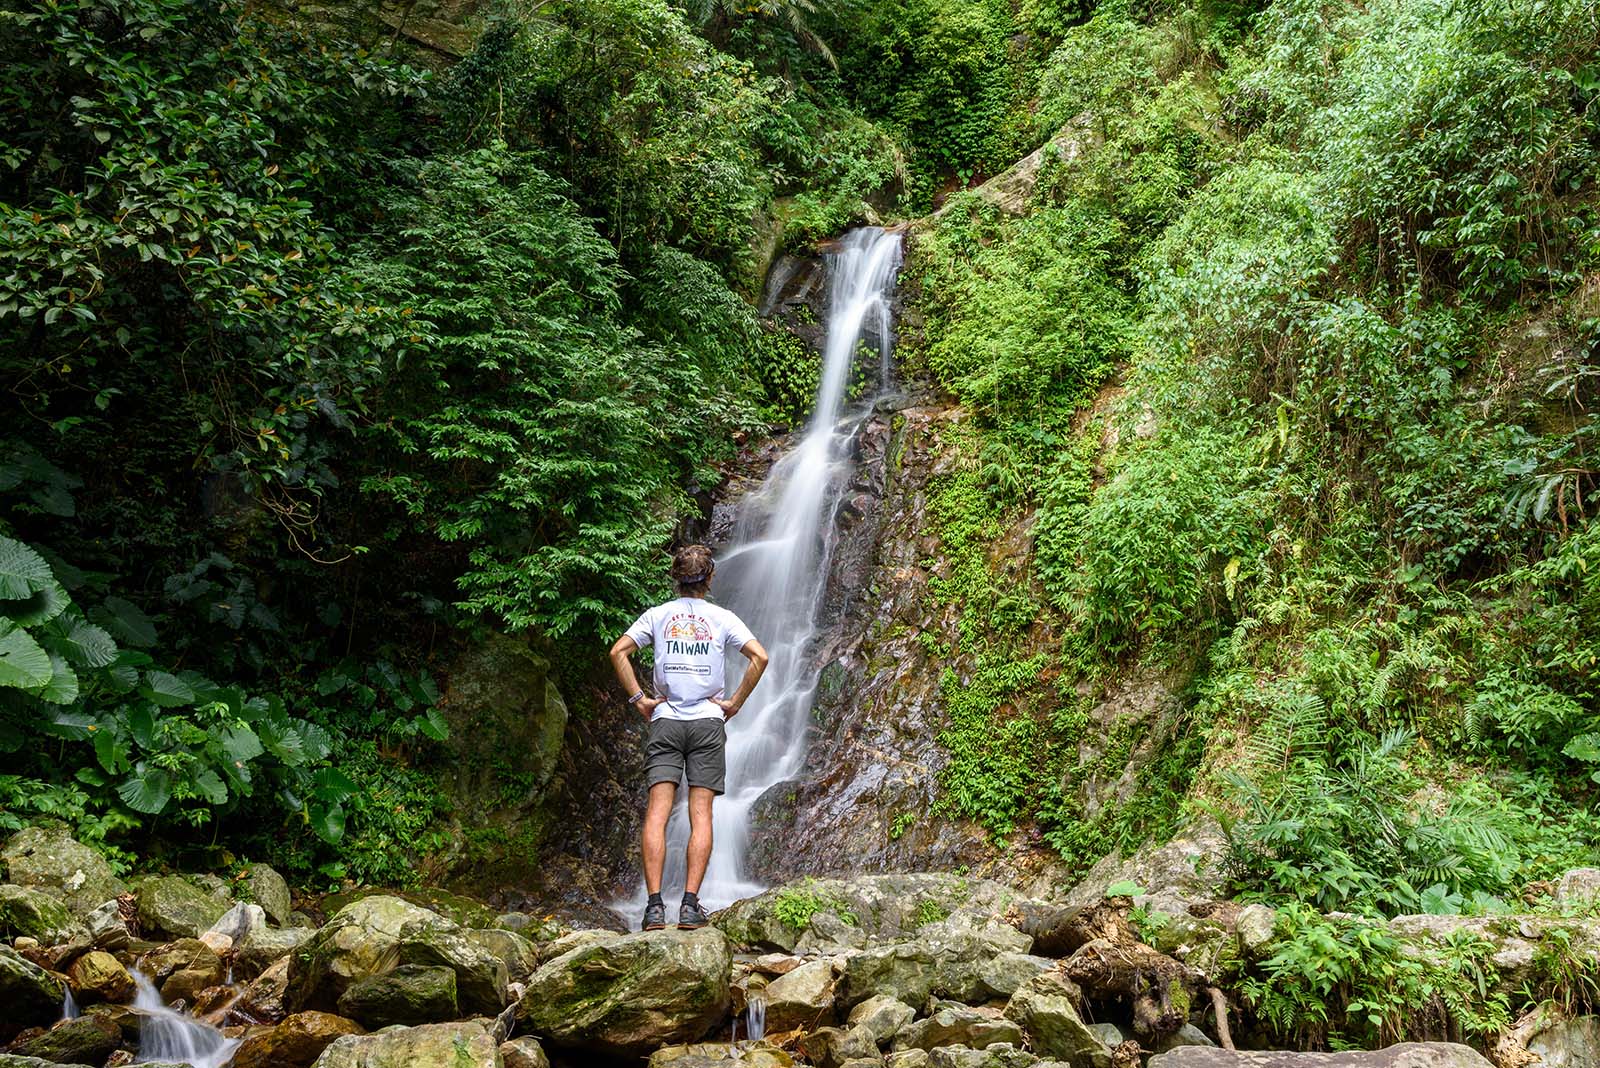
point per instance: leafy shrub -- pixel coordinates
(1342, 982)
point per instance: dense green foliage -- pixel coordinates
(1340, 254)
(1281, 412)
(320, 362)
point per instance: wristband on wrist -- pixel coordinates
(636, 698)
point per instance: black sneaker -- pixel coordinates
(691, 915)
(655, 917)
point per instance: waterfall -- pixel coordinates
(168, 1035)
(774, 572)
(69, 1004)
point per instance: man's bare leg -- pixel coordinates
(699, 837)
(653, 839)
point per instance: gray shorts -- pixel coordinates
(696, 746)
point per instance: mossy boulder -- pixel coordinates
(98, 976)
(263, 885)
(411, 994)
(445, 1045)
(294, 1043)
(519, 955)
(47, 857)
(361, 939)
(631, 995)
(368, 937)
(508, 723)
(85, 1040)
(171, 906)
(956, 1025)
(31, 996)
(1046, 1007)
(25, 911)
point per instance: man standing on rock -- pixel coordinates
(688, 732)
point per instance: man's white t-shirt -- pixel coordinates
(692, 637)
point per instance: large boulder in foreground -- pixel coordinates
(369, 936)
(85, 1040)
(32, 998)
(1404, 1055)
(884, 908)
(35, 913)
(631, 995)
(170, 906)
(1047, 1009)
(48, 858)
(443, 1045)
(295, 1043)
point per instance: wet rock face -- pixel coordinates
(507, 725)
(871, 771)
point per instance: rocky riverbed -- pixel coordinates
(897, 970)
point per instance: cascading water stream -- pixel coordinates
(774, 572)
(168, 1035)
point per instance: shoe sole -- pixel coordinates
(690, 926)
(654, 927)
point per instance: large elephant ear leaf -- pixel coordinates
(41, 606)
(62, 689)
(166, 690)
(23, 664)
(147, 790)
(126, 621)
(23, 572)
(82, 643)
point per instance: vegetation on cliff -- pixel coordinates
(1340, 261)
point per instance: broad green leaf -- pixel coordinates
(22, 663)
(166, 690)
(87, 645)
(23, 572)
(330, 785)
(328, 823)
(1584, 747)
(284, 743)
(211, 787)
(62, 689)
(127, 622)
(142, 725)
(43, 606)
(241, 744)
(110, 750)
(316, 740)
(432, 723)
(147, 790)
(74, 725)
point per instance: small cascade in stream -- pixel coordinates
(755, 1014)
(168, 1035)
(69, 1004)
(774, 572)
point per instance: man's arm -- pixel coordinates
(757, 655)
(622, 664)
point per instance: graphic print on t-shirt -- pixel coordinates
(691, 636)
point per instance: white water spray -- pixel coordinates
(774, 574)
(168, 1035)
